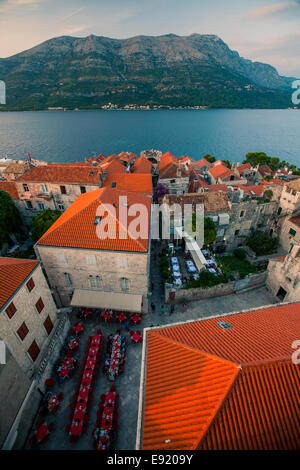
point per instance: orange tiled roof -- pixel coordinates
(274, 181)
(295, 220)
(62, 173)
(220, 171)
(217, 187)
(76, 227)
(168, 155)
(13, 273)
(134, 182)
(10, 188)
(245, 166)
(113, 166)
(213, 388)
(258, 190)
(203, 162)
(142, 165)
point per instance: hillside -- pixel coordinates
(166, 70)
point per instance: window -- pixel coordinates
(97, 220)
(68, 280)
(172, 181)
(82, 189)
(29, 205)
(34, 350)
(39, 305)
(11, 310)
(91, 259)
(30, 284)
(236, 232)
(114, 184)
(23, 331)
(60, 207)
(25, 187)
(61, 258)
(279, 210)
(242, 213)
(124, 284)
(99, 282)
(48, 325)
(92, 281)
(44, 188)
(123, 262)
(63, 190)
(41, 206)
(292, 232)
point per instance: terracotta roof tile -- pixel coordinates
(203, 162)
(10, 188)
(133, 182)
(13, 273)
(220, 171)
(62, 173)
(213, 388)
(213, 202)
(76, 227)
(245, 166)
(142, 165)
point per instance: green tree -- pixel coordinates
(210, 230)
(209, 158)
(41, 222)
(227, 163)
(10, 220)
(268, 195)
(262, 243)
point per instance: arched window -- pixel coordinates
(92, 281)
(99, 282)
(124, 284)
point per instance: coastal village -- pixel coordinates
(151, 343)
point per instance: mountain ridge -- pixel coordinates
(169, 70)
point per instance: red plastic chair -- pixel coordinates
(72, 406)
(39, 423)
(32, 441)
(60, 396)
(67, 428)
(51, 426)
(49, 383)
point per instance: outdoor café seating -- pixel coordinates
(136, 337)
(115, 355)
(84, 394)
(105, 434)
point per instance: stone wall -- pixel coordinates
(199, 293)
(25, 302)
(110, 266)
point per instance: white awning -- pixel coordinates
(113, 300)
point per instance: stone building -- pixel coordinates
(220, 174)
(283, 277)
(55, 186)
(289, 233)
(28, 314)
(174, 175)
(290, 198)
(246, 216)
(85, 268)
(15, 169)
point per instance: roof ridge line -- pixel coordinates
(199, 351)
(68, 219)
(272, 360)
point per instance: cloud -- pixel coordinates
(8, 5)
(271, 10)
(75, 12)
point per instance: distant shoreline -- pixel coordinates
(296, 108)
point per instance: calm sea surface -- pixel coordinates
(58, 136)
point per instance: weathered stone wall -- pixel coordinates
(216, 291)
(110, 266)
(285, 274)
(24, 302)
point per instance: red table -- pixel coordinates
(121, 317)
(42, 432)
(52, 403)
(135, 337)
(135, 318)
(78, 328)
(73, 343)
(66, 367)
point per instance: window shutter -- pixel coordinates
(23, 331)
(39, 305)
(30, 284)
(11, 310)
(34, 350)
(48, 325)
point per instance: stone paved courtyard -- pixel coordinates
(128, 383)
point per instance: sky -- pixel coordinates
(261, 30)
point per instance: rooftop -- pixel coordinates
(142, 165)
(62, 173)
(227, 382)
(213, 202)
(132, 182)
(295, 184)
(10, 188)
(220, 171)
(77, 228)
(13, 273)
